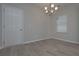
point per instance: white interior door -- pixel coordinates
(13, 26)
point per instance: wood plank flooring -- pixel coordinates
(48, 47)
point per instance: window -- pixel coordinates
(62, 24)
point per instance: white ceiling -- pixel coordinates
(61, 4)
(44, 4)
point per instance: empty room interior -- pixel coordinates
(39, 29)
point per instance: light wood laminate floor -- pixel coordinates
(48, 47)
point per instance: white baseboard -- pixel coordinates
(37, 40)
(0, 47)
(27, 42)
(66, 40)
(45, 39)
(52, 38)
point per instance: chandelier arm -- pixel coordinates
(51, 9)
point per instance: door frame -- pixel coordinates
(3, 25)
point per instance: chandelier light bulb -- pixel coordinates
(52, 11)
(46, 11)
(45, 8)
(52, 5)
(56, 8)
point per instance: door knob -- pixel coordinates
(21, 29)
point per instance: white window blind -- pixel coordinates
(62, 24)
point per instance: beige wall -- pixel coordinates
(72, 24)
(36, 23)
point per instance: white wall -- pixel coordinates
(36, 23)
(72, 24)
(0, 26)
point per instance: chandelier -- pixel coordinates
(50, 9)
